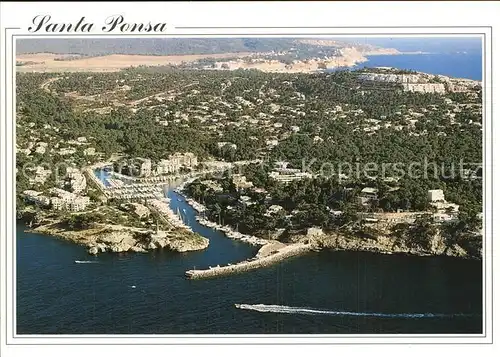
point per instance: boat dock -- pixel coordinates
(162, 208)
(253, 263)
(230, 233)
(131, 192)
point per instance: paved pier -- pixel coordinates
(255, 263)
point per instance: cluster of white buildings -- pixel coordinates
(391, 77)
(421, 82)
(67, 151)
(222, 144)
(289, 177)
(144, 166)
(424, 87)
(175, 162)
(36, 197)
(40, 175)
(240, 182)
(89, 151)
(68, 200)
(59, 200)
(81, 140)
(77, 180)
(283, 174)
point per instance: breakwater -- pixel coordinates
(327, 280)
(250, 264)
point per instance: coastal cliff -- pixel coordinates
(386, 244)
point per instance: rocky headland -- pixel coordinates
(115, 238)
(438, 244)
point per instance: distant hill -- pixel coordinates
(170, 46)
(167, 46)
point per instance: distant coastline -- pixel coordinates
(468, 65)
(266, 62)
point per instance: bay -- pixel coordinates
(459, 65)
(326, 292)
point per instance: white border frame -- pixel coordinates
(7, 144)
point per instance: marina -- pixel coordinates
(152, 192)
(227, 230)
(424, 284)
(230, 233)
(125, 246)
(162, 207)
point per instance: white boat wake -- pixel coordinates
(86, 261)
(280, 309)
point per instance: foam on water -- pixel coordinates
(281, 309)
(85, 261)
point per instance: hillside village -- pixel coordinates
(241, 138)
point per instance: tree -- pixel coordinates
(421, 232)
(322, 65)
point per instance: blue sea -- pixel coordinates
(321, 293)
(449, 56)
(459, 65)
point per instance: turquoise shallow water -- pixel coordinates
(327, 292)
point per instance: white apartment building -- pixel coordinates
(240, 181)
(175, 162)
(79, 204)
(66, 151)
(68, 200)
(36, 197)
(144, 167)
(57, 203)
(187, 159)
(41, 175)
(435, 195)
(77, 180)
(285, 178)
(167, 167)
(89, 151)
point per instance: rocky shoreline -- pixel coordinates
(387, 245)
(116, 239)
(273, 252)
